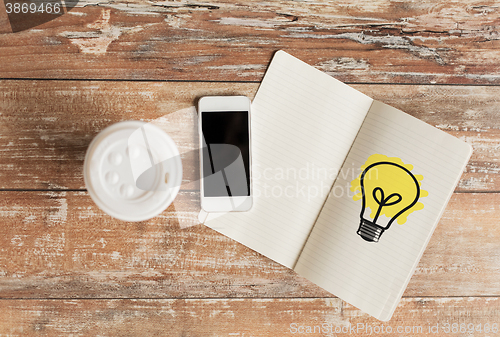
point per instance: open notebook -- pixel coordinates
(347, 190)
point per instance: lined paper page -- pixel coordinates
(372, 276)
(303, 124)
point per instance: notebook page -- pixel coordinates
(373, 275)
(303, 124)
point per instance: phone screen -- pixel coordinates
(226, 157)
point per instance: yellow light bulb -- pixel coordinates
(387, 187)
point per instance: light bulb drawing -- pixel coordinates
(389, 191)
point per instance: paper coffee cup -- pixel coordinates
(132, 170)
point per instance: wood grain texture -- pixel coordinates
(66, 268)
(4, 20)
(46, 126)
(241, 317)
(60, 245)
(357, 41)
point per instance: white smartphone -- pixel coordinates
(225, 153)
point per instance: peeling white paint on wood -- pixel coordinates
(342, 63)
(59, 213)
(440, 41)
(102, 34)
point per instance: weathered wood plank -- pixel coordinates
(47, 125)
(245, 317)
(376, 41)
(60, 245)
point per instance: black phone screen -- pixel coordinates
(226, 156)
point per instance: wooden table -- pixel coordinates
(66, 268)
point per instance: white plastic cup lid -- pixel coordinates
(132, 170)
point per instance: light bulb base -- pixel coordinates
(370, 231)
